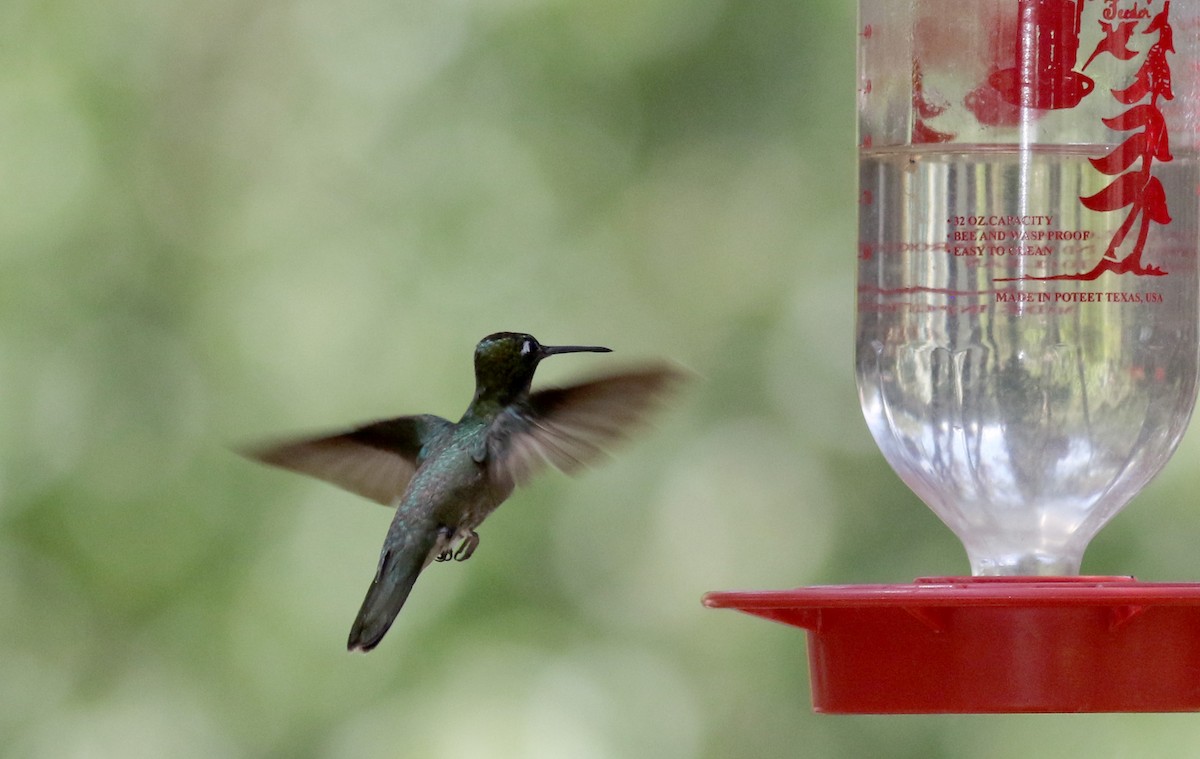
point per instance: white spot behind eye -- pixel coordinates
(526, 347)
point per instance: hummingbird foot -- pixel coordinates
(445, 535)
(467, 547)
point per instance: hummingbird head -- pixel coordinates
(505, 363)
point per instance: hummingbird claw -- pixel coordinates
(467, 547)
(445, 535)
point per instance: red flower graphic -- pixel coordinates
(1134, 188)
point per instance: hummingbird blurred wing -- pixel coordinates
(375, 461)
(569, 427)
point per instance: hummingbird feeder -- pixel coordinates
(1027, 351)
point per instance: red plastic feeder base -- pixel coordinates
(993, 644)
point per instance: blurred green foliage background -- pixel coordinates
(224, 221)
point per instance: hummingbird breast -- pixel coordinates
(451, 490)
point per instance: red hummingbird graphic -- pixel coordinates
(1116, 41)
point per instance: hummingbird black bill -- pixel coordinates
(554, 350)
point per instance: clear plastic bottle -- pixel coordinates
(1027, 339)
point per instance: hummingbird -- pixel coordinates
(444, 478)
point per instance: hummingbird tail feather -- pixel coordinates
(387, 594)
